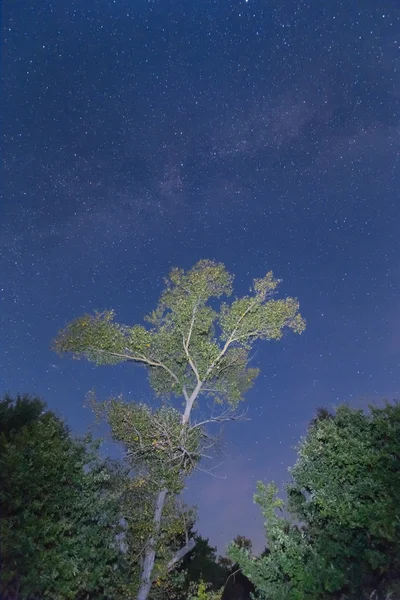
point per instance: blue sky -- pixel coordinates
(144, 135)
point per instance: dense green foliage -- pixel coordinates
(62, 505)
(60, 510)
(346, 495)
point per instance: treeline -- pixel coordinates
(342, 539)
(73, 524)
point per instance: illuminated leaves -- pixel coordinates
(259, 316)
(187, 341)
(347, 462)
(279, 574)
(207, 279)
(95, 337)
(159, 446)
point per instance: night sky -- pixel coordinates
(142, 135)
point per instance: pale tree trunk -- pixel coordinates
(188, 547)
(150, 552)
(189, 403)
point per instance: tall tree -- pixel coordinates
(190, 349)
(60, 510)
(345, 491)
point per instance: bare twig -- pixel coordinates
(232, 575)
(221, 419)
(211, 471)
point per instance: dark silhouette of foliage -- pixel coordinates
(59, 510)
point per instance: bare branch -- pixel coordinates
(190, 401)
(232, 575)
(187, 342)
(210, 472)
(246, 335)
(225, 416)
(188, 547)
(141, 359)
(228, 365)
(191, 362)
(199, 386)
(231, 339)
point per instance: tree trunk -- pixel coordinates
(150, 553)
(189, 403)
(188, 547)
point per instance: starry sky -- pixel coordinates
(145, 134)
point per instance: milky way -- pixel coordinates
(148, 134)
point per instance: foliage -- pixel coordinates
(177, 518)
(60, 510)
(188, 345)
(202, 591)
(203, 572)
(241, 541)
(159, 447)
(278, 575)
(346, 493)
(15, 414)
(204, 565)
(346, 486)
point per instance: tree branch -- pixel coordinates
(231, 339)
(188, 547)
(190, 401)
(210, 471)
(187, 342)
(221, 419)
(228, 365)
(141, 359)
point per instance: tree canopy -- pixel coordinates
(188, 347)
(343, 539)
(60, 514)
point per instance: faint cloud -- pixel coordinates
(271, 123)
(171, 183)
(376, 139)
